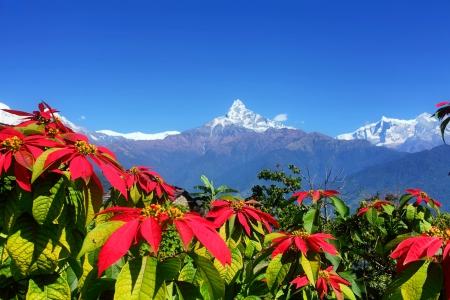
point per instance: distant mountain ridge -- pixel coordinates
(421, 133)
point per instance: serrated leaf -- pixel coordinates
(34, 249)
(229, 272)
(48, 287)
(98, 236)
(140, 279)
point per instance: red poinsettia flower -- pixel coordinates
(315, 194)
(422, 196)
(45, 115)
(21, 151)
(149, 222)
(139, 176)
(192, 224)
(303, 241)
(158, 185)
(79, 154)
(326, 277)
(222, 210)
(140, 223)
(378, 205)
(426, 245)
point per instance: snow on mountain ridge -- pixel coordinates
(139, 135)
(241, 116)
(396, 133)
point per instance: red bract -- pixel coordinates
(222, 210)
(22, 152)
(192, 224)
(149, 223)
(378, 205)
(422, 196)
(426, 245)
(327, 276)
(77, 154)
(140, 223)
(158, 185)
(303, 241)
(315, 194)
(45, 115)
(139, 176)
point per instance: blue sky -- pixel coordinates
(152, 66)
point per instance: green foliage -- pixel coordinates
(54, 229)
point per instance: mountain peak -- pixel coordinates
(240, 116)
(399, 134)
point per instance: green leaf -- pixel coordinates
(443, 126)
(190, 274)
(310, 220)
(342, 209)
(419, 281)
(271, 236)
(347, 291)
(404, 199)
(140, 279)
(98, 286)
(170, 268)
(38, 167)
(211, 277)
(135, 194)
(48, 287)
(49, 201)
(410, 212)
(276, 271)
(188, 291)
(33, 249)
(372, 217)
(229, 272)
(311, 264)
(98, 236)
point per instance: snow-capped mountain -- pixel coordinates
(101, 136)
(240, 116)
(421, 133)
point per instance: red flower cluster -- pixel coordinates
(422, 196)
(303, 241)
(148, 181)
(315, 194)
(326, 277)
(67, 149)
(149, 223)
(222, 210)
(378, 205)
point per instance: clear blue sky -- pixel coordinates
(153, 66)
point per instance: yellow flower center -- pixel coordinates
(238, 205)
(301, 233)
(324, 274)
(159, 179)
(134, 170)
(174, 213)
(85, 148)
(53, 131)
(433, 231)
(13, 143)
(152, 210)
